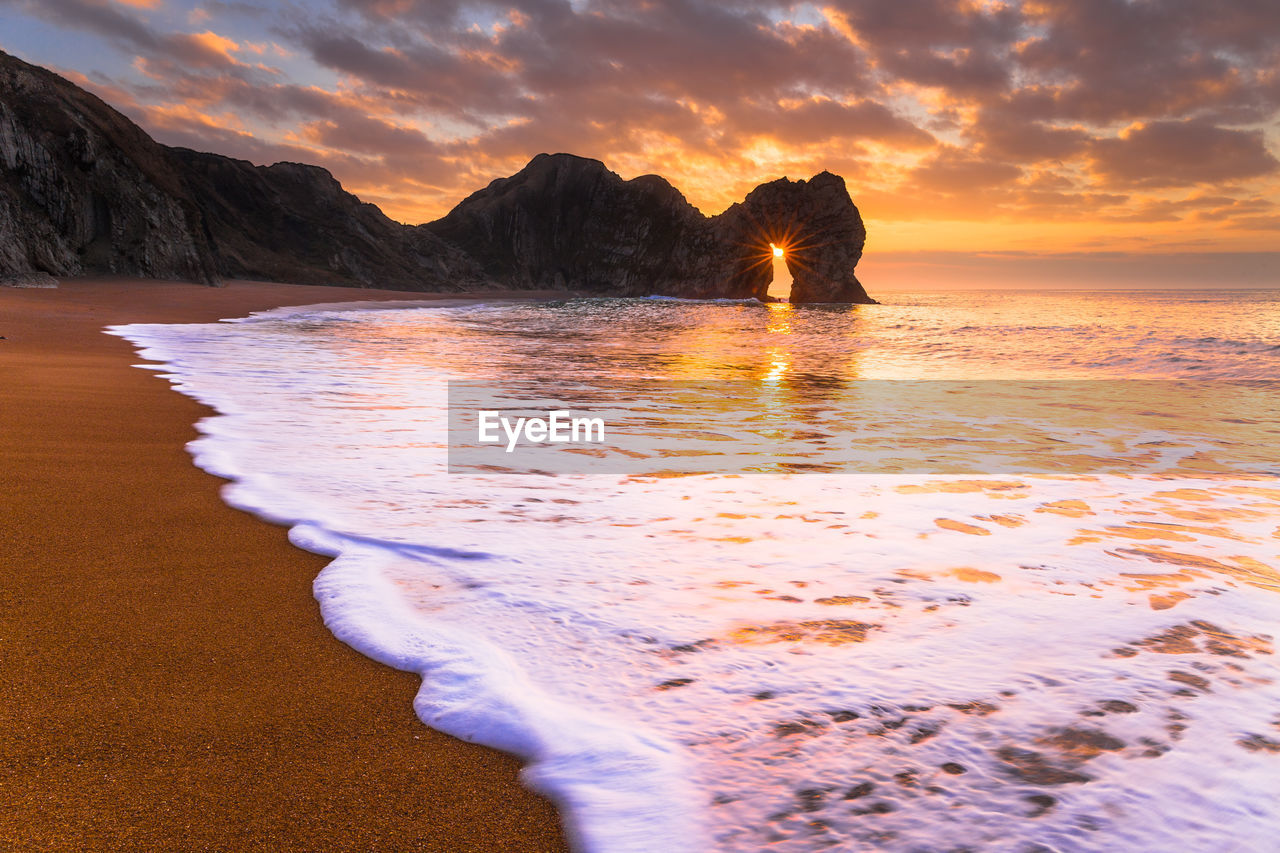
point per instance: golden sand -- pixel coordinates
(168, 684)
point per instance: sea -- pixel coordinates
(983, 570)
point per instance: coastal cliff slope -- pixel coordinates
(565, 221)
(295, 223)
(83, 190)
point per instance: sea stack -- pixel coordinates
(819, 228)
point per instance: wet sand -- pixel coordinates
(167, 681)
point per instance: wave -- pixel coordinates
(729, 663)
(618, 788)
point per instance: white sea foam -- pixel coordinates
(799, 661)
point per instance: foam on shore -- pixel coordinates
(603, 774)
(1079, 661)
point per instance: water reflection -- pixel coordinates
(855, 662)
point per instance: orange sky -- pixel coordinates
(959, 125)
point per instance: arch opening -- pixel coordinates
(780, 285)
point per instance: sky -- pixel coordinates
(994, 143)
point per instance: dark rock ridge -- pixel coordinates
(85, 191)
(817, 224)
(295, 223)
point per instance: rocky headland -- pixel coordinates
(83, 191)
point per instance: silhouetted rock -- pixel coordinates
(815, 222)
(84, 190)
(569, 221)
(31, 279)
(295, 223)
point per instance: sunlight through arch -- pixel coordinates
(780, 287)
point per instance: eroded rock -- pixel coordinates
(817, 225)
(567, 221)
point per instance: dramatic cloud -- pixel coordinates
(1101, 120)
(1181, 153)
(1111, 60)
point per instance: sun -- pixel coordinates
(778, 251)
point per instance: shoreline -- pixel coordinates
(169, 683)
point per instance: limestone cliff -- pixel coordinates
(568, 222)
(84, 190)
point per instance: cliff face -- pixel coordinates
(568, 222)
(84, 190)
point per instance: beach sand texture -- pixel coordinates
(167, 681)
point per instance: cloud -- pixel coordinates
(957, 46)
(96, 16)
(1107, 111)
(206, 48)
(954, 171)
(1181, 153)
(1119, 60)
(133, 35)
(817, 119)
(1008, 136)
(367, 135)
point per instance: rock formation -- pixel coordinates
(817, 225)
(295, 223)
(84, 190)
(566, 221)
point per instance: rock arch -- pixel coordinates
(818, 226)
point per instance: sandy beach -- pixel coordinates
(167, 681)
